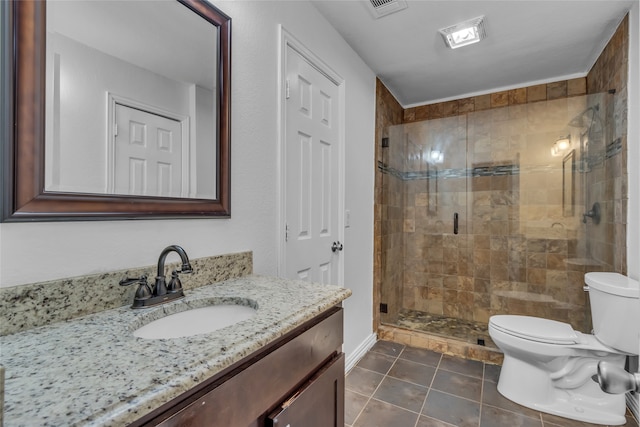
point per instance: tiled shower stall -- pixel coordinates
(484, 219)
(523, 243)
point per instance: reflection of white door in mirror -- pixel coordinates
(148, 154)
(136, 65)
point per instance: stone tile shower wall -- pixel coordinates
(501, 264)
(516, 247)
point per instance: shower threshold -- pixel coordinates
(447, 327)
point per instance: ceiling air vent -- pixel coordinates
(380, 8)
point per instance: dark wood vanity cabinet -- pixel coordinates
(319, 403)
(297, 381)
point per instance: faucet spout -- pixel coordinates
(160, 287)
(186, 264)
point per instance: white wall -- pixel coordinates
(255, 29)
(35, 252)
(202, 109)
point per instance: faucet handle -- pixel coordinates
(175, 285)
(131, 280)
(143, 292)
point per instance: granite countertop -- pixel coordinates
(93, 371)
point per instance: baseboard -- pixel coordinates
(634, 404)
(359, 352)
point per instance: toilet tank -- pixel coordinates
(615, 310)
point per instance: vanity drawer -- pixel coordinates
(318, 403)
(247, 393)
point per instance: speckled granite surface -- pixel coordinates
(28, 306)
(92, 371)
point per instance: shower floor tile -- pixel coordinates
(400, 386)
(463, 330)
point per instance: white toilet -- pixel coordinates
(551, 368)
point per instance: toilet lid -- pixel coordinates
(535, 329)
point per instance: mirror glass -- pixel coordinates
(130, 99)
(114, 110)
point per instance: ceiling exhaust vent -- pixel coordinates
(380, 8)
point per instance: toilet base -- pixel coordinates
(531, 386)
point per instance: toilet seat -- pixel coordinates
(536, 329)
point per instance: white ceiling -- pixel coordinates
(528, 42)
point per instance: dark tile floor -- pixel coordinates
(399, 386)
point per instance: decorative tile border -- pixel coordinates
(612, 149)
(29, 306)
(386, 169)
(498, 170)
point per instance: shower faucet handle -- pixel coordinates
(455, 223)
(594, 214)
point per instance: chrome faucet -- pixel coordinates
(161, 292)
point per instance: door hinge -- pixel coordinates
(115, 130)
(384, 308)
(286, 232)
(287, 94)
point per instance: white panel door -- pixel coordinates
(148, 153)
(312, 175)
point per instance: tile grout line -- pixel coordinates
(378, 386)
(484, 368)
(411, 382)
(438, 368)
(428, 391)
(538, 415)
(419, 413)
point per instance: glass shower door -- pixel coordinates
(484, 214)
(429, 254)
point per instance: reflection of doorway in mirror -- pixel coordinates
(149, 154)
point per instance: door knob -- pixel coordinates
(336, 246)
(615, 380)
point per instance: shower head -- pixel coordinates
(586, 118)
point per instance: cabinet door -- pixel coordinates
(260, 381)
(319, 403)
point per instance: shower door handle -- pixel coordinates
(455, 223)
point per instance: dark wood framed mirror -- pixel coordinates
(27, 153)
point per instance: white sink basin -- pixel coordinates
(195, 321)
